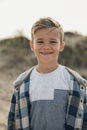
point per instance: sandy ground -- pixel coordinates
(8, 73)
(6, 90)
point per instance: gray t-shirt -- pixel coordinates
(48, 97)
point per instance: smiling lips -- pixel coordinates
(46, 53)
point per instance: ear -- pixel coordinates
(31, 45)
(62, 46)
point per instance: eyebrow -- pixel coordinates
(40, 39)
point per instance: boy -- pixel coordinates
(49, 96)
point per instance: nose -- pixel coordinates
(46, 46)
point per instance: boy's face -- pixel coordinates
(46, 45)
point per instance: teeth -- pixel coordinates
(45, 53)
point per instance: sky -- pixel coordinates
(19, 15)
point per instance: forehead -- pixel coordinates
(47, 32)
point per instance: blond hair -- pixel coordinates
(47, 22)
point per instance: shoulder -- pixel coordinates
(22, 77)
(77, 76)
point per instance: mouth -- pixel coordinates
(46, 53)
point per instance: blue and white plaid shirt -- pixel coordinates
(76, 113)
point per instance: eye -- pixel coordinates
(53, 42)
(40, 42)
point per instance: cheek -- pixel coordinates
(34, 47)
(57, 51)
(36, 50)
(57, 48)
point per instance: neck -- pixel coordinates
(46, 68)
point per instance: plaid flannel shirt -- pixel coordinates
(76, 113)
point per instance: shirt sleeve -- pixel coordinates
(85, 110)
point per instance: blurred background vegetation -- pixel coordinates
(19, 55)
(16, 57)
